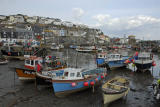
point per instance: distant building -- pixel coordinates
(131, 40)
(18, 19)
(16, 35)
(105, 38)
(31, 20)
(2, 17)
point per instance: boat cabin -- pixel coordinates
(102, 55)
(72, 74)
(114, 57)
(32, 61)
(144, 56)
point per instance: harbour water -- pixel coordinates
(14, 93)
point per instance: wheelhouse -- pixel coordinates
(72, 74)
(32, 61)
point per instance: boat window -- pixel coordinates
(100, 56)
(71, 74)
(78, 74)
(112, 56)
(66, 74)
(117, 56)
(32, 62)
(36, 62)
(27, 61)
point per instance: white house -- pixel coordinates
(31, 20)
(67, 24)
(48, 20)
(11, 19)
(57, 23)
(2, 17)
(18, 19)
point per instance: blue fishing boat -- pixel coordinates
(111, 60)
(76, 79)
(116, 60)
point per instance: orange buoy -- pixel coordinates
(96, 79)
(92, 83)
(85, 84)
(136, 54)
(153, 63)
(9, 53)
(105, 74)
(102, 77)
(73, 84)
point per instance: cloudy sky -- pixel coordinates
(115, 18)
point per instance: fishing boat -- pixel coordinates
(32, 63)
(144, 61)
(115, 89)
(76, 79)
(44, 77)
(3, 60)
(116, 60)
(88, 49)
(17, 52)
(27, 71)
(111, 61)
(100, 59)
(56, 47)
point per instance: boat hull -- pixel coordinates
(43, 80)
(116, 64)
(143, 67)
(64, 87)
(3, 62)
(108, 98)
(115, 89)
(25, 74)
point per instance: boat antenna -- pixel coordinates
(67, 58)
(76, 58)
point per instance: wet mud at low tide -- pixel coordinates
(14, 93)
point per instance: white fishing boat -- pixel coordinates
(144, 61)
(56, 47)
(115, 89)
(88, 49)
(3, 61)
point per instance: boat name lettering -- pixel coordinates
(28, 72)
